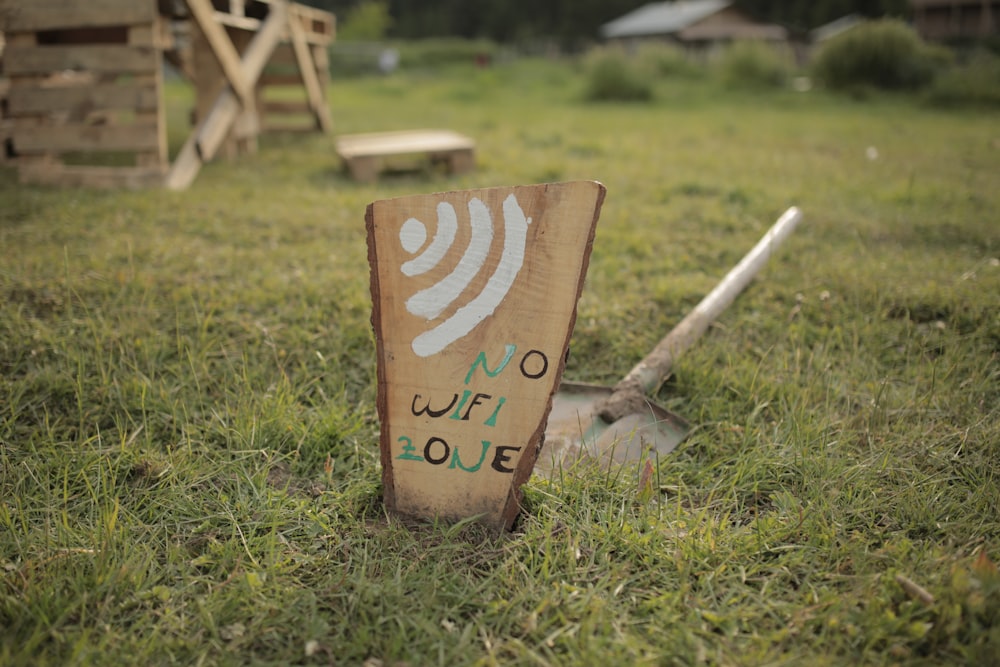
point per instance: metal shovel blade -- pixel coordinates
(576, 431)
(619, 424)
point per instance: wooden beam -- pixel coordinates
(91, 176)
(79, 137)
(222, 48)
(115, 59)
(284, 106)
(307, 67)
(24, 100)
(25, 15)
(213, 128)
(239, 22)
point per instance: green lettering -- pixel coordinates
(481, 361)
(408, 450)
(492, 421)
(457, 462)
(457, 414)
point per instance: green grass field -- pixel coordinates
(188, 442)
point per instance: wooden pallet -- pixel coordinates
(367, 154)
(86, 82)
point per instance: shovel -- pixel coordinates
(619, 424)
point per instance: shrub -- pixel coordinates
(975, 82)
(756, 65)
(612, 75)
(884, 54)
(667, 60)
(367, 21)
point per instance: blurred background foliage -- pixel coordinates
(571, 24)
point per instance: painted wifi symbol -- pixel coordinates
(429, 303)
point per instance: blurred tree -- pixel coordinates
(367, 21)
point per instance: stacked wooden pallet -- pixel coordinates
(85, 104)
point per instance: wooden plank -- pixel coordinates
(159, 118)
(307, 68)
(222, 48)
(280, 79)
(289, 128)
(78, 137)
(132, 178)
(21, 39)
(284, 106)
(24, 15)
(322, 59)
(400, 143)
(318, 26)
(20, 60)
(213, 128)
(239, 22)
(474, 299)
(6, 127)
(38, 99)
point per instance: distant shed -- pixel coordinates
(956, 19)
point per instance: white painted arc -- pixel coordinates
(412, 235)
(443, 238)
(432, 301)
(485, 303)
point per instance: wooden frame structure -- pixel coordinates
(85, 103)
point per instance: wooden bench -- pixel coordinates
(366, 154)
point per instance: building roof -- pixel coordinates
(661, 18)
(834, 28)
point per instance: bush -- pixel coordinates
(367, 21)
(972, 83)
(667, 60)
(612, 75)
(885, 54)
(755, 65)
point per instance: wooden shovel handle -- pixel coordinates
(649, 373)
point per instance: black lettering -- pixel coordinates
(427, 407)
(439, 460)
(498, 459)
(475, 402)
(545, 365)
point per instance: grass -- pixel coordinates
(189, 469)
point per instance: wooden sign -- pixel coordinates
(474, 299)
